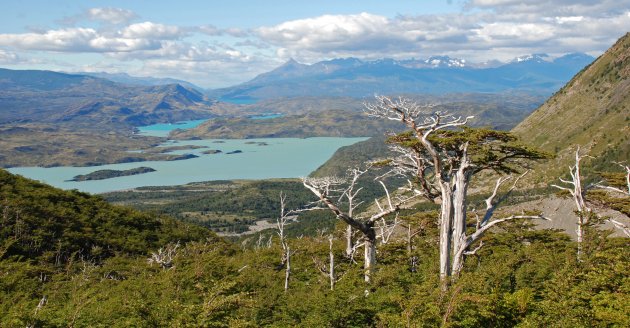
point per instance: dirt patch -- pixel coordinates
(561, 213)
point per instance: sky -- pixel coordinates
(222, 43)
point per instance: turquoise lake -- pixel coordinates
(163, 129)
(280, 158)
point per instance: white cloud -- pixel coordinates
(569, 19)
(150, 30)
(7, 57)
(511, 28)
(523, 32)
(69, 39)
(110, 15)
(484, 30)
(325, 32)
(135, 37)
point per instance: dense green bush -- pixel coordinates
(521, 277)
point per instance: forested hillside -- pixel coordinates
(69, 259)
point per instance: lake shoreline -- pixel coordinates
(279, 158)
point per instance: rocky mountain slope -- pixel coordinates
(592, 110)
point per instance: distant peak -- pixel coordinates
(291, 62)
(531, 58)
(445, 61)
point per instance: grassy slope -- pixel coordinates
(592, 110)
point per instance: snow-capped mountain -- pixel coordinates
(535, 73)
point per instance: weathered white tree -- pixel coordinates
(578, 191)
(350, 195)
(440, 155)
(328, 270)
(281, 223)
(164, 256)
(334, 192)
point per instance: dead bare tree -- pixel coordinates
(332, 191)
(328, 270)
(164, 256)
(385, 229)
(441, 155)
(578, 192)
(485, 223)
(350, 194)
(281, 223)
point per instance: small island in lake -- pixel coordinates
(259, 143)
(164, 150)
(235, 152)
(108, 174)
(182, 157)
(211, 151)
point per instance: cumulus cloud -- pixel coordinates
(505, 27)
(187, 52)
(150, 30)
(111, 15)
(7, 57)
(107, 16)
(326, 32)
(483, 30)
(135, 37)
(70, 39)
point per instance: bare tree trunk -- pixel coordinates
(287, 272)
(578, 196)
(582, 220)
(459, 211)
(458, 262)
(331, 270)
(370, 256)
(459, 221)
(409, 240)
(349, 243)
(445, 233)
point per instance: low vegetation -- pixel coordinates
(68, 258)
(108, 174)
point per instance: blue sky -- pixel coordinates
(220, 43)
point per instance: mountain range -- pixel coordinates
(351, 77)
(592, 110)
(52, 97)
(144, 80)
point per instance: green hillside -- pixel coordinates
(48, 225)
(70, 259)
(592, 110)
